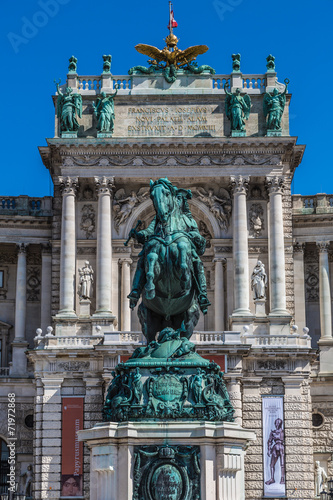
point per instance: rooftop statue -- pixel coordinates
(274, 104)
(237, 108)
(104, 111)
(170, 275)
(68, 106)
(170, 59)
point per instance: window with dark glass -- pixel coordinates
(4, 467)
(2, 278)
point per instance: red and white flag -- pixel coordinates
(172, 22)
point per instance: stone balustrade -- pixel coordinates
(53, 342)
(321, 203)
(92, 84)
(23, 205)
(292, 340)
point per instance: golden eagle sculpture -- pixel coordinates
(170, 59)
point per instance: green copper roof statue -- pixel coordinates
(274, 104)
(68, 106)
(104, 112)
(237, 108)
(170, 275)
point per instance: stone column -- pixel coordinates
(219, 294)
(240, 247)
(104, 247)
(299, 286)
(276, 247)
(125, 290)
(324, 292)
(68, 248)
(19, 363)
(45, 300)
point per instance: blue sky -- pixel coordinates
(38, 37)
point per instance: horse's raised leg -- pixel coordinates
(183, 263)
(151, 260)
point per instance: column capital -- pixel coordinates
(104, 185)
(239, 184)
(22, 248)
(298, 247)
(223, 260)
(274, 184)
(323, 246)
(68, 185)
(124, 260)
(46, 248)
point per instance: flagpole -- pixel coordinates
(170, 21)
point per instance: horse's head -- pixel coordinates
(163, 194)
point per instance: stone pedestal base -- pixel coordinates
(104, 135)
(326, 357)
(19, 363)
(279, 325)
(84, 308)
(260, 305)
(274, 133)
(238, 133)
(69, 135)
(215, 454)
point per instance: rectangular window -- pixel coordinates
(2, 277)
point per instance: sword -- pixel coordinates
(134, 229)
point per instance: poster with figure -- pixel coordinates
(273, 445)
(72, 449)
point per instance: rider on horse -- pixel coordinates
(156, 229)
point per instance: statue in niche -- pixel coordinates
(68, 106)
(123, 205)
(320, 478)
(104, 111)
(237, 108)
(28, 481)
(204, 231)
(196, 385)
(220, 206)
(274, 104)
(256, 219)
(259, 281)
(137, 387)
(86, 281)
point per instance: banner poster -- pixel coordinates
(72, 449)
(273, 445)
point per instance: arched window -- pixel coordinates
(4, 467)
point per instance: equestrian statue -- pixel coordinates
(170, 276)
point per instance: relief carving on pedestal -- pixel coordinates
(219, 203)
(124, 205)
(204, 231)
(312, 282)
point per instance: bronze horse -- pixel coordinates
(170, 274)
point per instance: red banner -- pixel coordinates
(72, 449)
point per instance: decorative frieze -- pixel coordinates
(88, 220)
(33, 284)
(219, 203)
(256, 220)
(124, 205)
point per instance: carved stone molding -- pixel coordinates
(68, 185)
(239, 184)
(223, 249)
(312, 282)
(258, 250)
(218, 202)
(274, 364)
(74, 366)
(123, 205)
(9, 257)
(86, 251)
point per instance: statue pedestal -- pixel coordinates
(69, 135)
(238, 133)
(260, 305)
(274, 133)
(104, 135)
(84, 308)
(131, 459)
